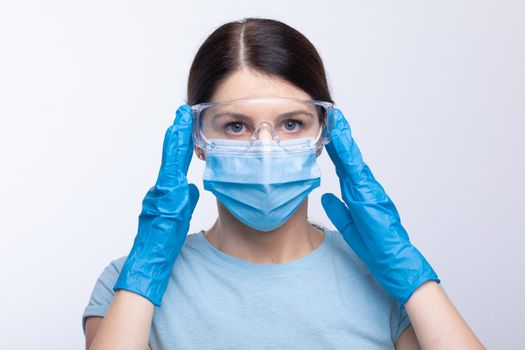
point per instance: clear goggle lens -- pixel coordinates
(251, 119)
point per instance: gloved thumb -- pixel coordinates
(339, 214)
(193, 197)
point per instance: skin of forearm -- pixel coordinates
(436, 322)
(126, 324)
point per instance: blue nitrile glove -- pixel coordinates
(165, 217)
(369, 222)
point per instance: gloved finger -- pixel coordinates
(343, 220)
(358, 182)
(177, 148)
(343, 149)
(339, 215)
(194, 197)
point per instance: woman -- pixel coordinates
(259, 113)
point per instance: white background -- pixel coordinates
(434, 91)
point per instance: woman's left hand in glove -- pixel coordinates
(369, 221)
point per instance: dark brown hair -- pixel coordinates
(268, 46)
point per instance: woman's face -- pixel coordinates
(248, 83)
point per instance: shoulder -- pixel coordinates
(340, 249)
(193, 244)
(357, 287)
(112, 270)
(115, 265)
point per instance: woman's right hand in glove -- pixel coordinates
(165, 217)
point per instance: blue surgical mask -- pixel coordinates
(261, 182)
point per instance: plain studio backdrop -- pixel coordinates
(434, 92)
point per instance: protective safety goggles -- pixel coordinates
(251, 119)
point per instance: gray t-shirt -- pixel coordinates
(325, 300)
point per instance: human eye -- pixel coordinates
(235, 127)
(292, 125)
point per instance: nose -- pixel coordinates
(265, 134)
(265, 131)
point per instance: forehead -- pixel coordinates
(247, 83)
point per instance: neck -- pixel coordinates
(290, 241)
